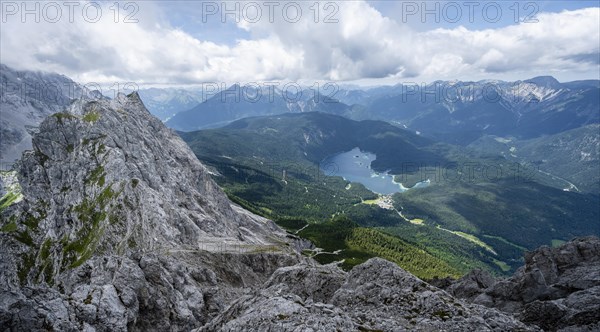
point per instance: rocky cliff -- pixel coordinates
(374, 296)
(120, 226)
(556, 289)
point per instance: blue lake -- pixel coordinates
(355, 166)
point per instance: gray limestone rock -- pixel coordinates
(375, 296)
(108, 177)
(122, 228)
(557, 289)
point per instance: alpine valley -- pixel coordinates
(353, 210)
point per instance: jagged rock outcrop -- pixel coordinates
(557, 289)
(148, 292)
(121, 227)
(106, 176)
(374, 296)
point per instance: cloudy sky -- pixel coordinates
(365, 42)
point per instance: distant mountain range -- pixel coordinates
(165, 103)
(451, 111)
(461, 112)
(239, 102)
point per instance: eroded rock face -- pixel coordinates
(556, 289)
(377, 295)
(150, 292)
(122, 228)
(107, 177)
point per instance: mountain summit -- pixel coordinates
(107, 184)
(106, 175)
(545, 81)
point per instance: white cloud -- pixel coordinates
(528, 47)
(363, 44)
